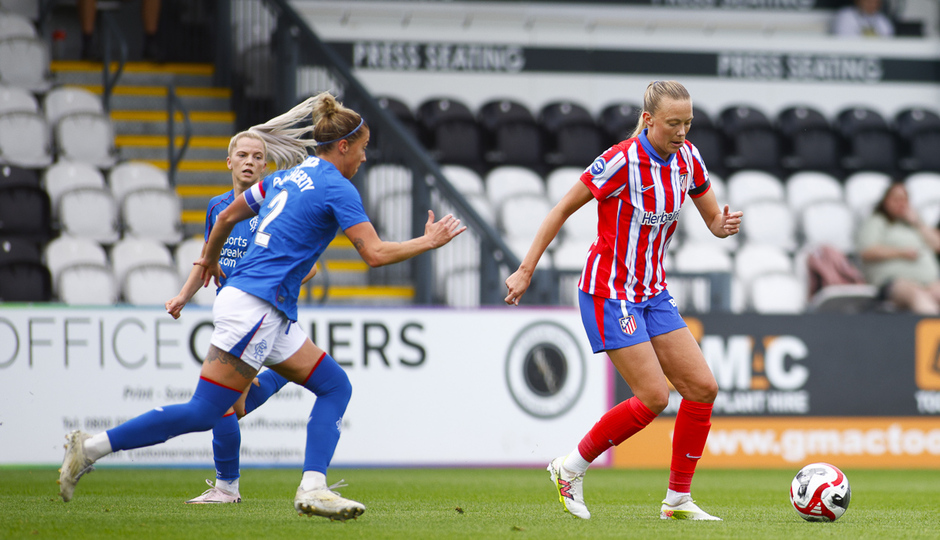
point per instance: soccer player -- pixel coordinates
(299, 211)
(639, 184)
(247, 159)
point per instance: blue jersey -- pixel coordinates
(237, 243)
(299, 212)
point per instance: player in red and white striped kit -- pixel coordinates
(639, 185)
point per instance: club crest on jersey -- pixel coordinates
(684, 181)
(253, 223)
(598, 167)
(628, 325)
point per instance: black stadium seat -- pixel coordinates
(709, 141)
(919, 131)
(751, 138)
(26, 212)
(618, 121)
(572, 135)
(511, 134)
(25, 282)
(18, 176)
(378, 145)
(809, 143)
(868, 143)
(450, 132)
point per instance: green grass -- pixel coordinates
(455, 503)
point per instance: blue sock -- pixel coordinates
(270, 383)
(200, 413)
(333, 390)
(226, 444)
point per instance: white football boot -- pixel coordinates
(570, 488)
(74, 465)
(215, 495)
(327, 503)
(687, 509)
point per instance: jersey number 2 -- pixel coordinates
(277, 205)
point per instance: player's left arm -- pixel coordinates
(377, 252)
(721, 221)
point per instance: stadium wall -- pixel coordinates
(489, 387)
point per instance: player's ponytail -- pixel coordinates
(286, 137)
(653, 97)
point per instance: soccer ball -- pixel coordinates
(820, 492)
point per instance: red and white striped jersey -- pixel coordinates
(638, 200)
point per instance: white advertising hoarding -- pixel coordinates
(501, 386)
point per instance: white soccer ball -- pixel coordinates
(820, 492)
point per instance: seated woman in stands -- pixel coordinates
(899, 254)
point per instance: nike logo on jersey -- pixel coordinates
(646, 188)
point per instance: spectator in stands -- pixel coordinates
(640, 185)
(864, 18)
(150, 18)
(898, 252)
(300, 211)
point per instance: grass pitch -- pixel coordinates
(115, 502)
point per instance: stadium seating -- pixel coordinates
(770, 222)
(13, 25)
(828, 222)
(560, 181)
(133, 175)
(809, 143)
(24, 140)
(804, 188)
(18, 176)
(777, 294)
(450, 132)
(65, 176)
(152, 213)
(618, 120)
(510, 180)
(13, 99)
(571, 134)
(752, 139)
(863, 190)
(867, 140)
(511, 134)
(25, 212)
(87, 137)
(24, 63)
(746, 186)
(919, 132)
(68, 251)
(89, 213)
(709, 141)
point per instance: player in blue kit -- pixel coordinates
(247, 159)
(299, 211)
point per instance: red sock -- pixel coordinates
(616, 426)
(688, 441)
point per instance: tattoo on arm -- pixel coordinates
(358, 243)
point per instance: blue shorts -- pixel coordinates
(614, 324)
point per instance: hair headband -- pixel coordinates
(361, 120)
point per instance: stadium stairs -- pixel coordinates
(139, 117)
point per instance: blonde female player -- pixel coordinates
(299, 211)
(247, 159)
(627, 311)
